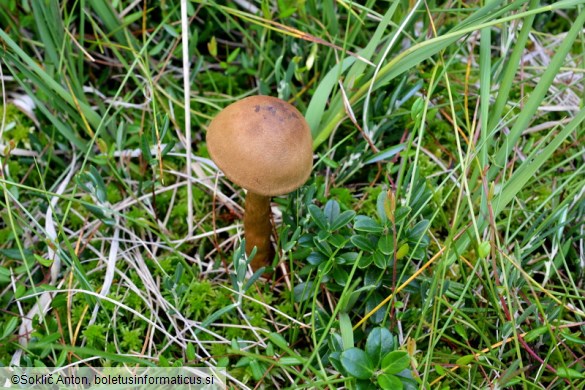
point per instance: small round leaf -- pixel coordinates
(484, 249)
(389, 382)
(378, 344)
(395, 361)
(357, 363)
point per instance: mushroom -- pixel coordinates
(264, 145)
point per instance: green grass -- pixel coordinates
(439, 242)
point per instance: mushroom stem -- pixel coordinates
(257, 229)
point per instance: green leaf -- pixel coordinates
(401, 213)
(16, 254)
(212, 46)
(385, 154)
(100, 213)
(346, 331)
(343, 219)
(145, 147)
(215, 315)
(190, 352)
(42, 261)
(338, 240)
(319, 217)
(278, 340)
(386, 244)
(303, 291)
(395, 361)
(5, 272)
(390, 382)
(257, 368)
(325, 269)
(379, 342)
(365, 384)
(9, 327)
(323, 246)
(100, 186)
(257, 274)
(576, 338)
(340, 276)
(348, 258)
(168, 147)
(288, 244)
(163, 362)
(465, 360)
(419, 230)
(366, 224)
(331, 211)
(47, 340)
(569, 373)
(365, 261)
(373, 301)
(363, 243)
(484, 249)
(460, 329)
(314, 114)
(417, 108)
(381, 260)
(327, 161)
(334, 358)
(357, 363)
(388, 206)
(383, 206)
(290, 361)
(402, 251)
(316, 258)
(535, 333)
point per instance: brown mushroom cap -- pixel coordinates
(262, 144)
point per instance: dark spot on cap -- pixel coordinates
(256, 108)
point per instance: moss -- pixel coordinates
(17, 126)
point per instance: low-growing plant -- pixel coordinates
(377, 251)
(379, 365)
(353, 261)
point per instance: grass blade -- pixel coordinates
(534, 162)
(535, 99)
